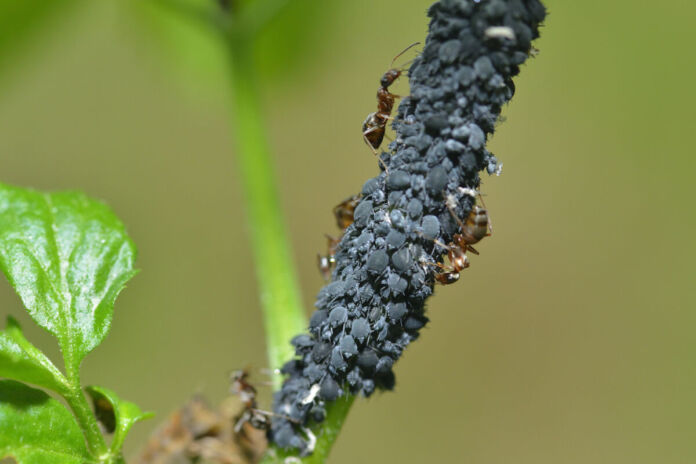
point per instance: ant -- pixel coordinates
(326, 262)
(258, 418)
(458, 261)
(374, 126)
(343, 213)
(476, 227)
(252, 415)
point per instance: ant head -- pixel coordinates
(389, 77)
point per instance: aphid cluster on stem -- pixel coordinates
(413, 215)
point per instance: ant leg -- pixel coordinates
(472, 249)
(454, 215)
(441, 266)
(385, 116)
(435, 241)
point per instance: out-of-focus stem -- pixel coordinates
(283, 313)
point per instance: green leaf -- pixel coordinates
(115, 414)
(20, 360)
(67, 257)
(36, 429)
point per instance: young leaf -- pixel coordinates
(67, 257)
(115, 414)
(38, 429)
(21, 360)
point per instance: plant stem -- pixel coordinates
(83, 413)
(336, 414)
(284, 315)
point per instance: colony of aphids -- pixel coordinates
(416, 222)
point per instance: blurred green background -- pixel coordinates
(569, 340)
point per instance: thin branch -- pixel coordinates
(284, 314)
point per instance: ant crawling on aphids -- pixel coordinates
(251, 414)
(343, 213)
(326, 262)
(374, 126)
(458, 261)
(476, 227)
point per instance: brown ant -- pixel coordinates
(343, 213)
(258, 418)
(326, 262)
(374, 126)
(476, 227)
(458, 261)
(252, 415)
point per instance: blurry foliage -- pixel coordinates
(192, 35)
(21, 21)
(180, 32)
(292, 39)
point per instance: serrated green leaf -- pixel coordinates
(67, 257)
(116, 415)
(20, 360)
(36, 429)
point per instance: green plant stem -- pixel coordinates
(284, 315)
(86, 420)
(336, 414)
(326, 434)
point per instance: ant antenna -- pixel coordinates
(404, 51)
